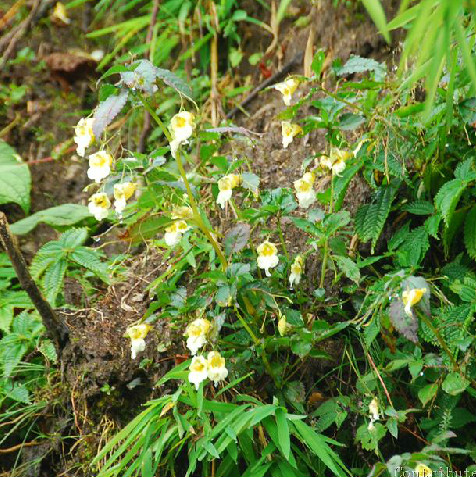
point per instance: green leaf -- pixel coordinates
(53, 280)
(283, 432)
(349, 267)
(172, 80)
(15, 178)
(454, 384)
(60, 216)
(427, 393)
(377, 13)
(470, 233)
(250, 181)
(357, 64)
(419, 207)
(448, 196)
(89, 259)
(370, 218)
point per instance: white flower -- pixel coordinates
(99, 165)
(373, 410)
(99, 205)
(304, 190)
(198, 371)
(287, 89)
(123, 192)
(296, 271)
(216, 367)
(197, 333)
(59, 14)
(181, 127)
(182, 212)
(282, 324)
(137, 335)
(288, 131)
(412, 297)
(174, 232)
(225, 186)
(267, 256)
(336, 162)
(83, 135)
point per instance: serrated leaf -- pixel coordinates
(250, 181)
(350, 268)
(107, 111)
(237, 238)
(73, 238)
(427, 393)
(405, 324)
(61, 216)
(448, 196)
(234, 130)
(89, 259)
(454, 384)
(172, 80)
(15, 178)
(356, 64)
(53, 280)
(17, 392)
(48, 350)
(419, 207)
(370, 218)
(470, 233)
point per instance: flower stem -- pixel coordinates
(196, 213)
(281, 238)
(326, 243)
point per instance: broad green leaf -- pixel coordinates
(470, 233)
(15, 178)
(283, 432)
(455, 383)
(60, 216)
(448, 197)
(107, 111)
(427, 393)
(348, 266)
(237, 238)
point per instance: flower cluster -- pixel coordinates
(225, 186)
(100, 164)
(213, 367)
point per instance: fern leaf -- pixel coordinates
(53, 280)
(420, 207)
(448, 197)
(88, 258)
(370, 218)
(470, 233)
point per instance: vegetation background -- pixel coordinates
(262, 262)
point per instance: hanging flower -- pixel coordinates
(181, 127)
(287, 89)
(304, 190)
(99, 165)
(225, 186)
(198, 371)
(267, 256)
(216, 367)
(336, 162)
(83, 135)
(288, 131)
(423, 470)
(182, 212)
(296, 271)
(412, 297)
(282, 324)
(197, 333)
(123, 192)
(59, 15)
(99, 205)
(174, 232)
(373, 410)
(137, 334)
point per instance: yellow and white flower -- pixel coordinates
(287, 89)
(304, 190)
(336, 162)
(122, 193)
(282, 324)
(216, 367)
(59, 15)
(174, 232)
(197, 333)
(267, 256)
(225, 186)
(182, 126)
(198, 371)
(137, 334)
(83, 135)
(373, 410)
(412, 297)
(182, 212)
(289, 130)
(296, 271)
(99, 205)
(423, 470)
(99, 165)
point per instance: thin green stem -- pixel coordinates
(196, 213)
(281, 238)
(326, 244)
